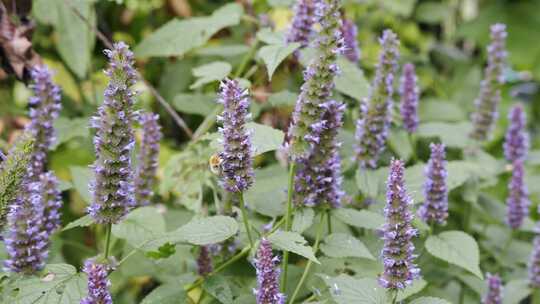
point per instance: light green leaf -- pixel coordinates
(403, 7)
(401, 144)
(371, 182)
(218, 287)
(81, 179)
(274, 54)
(268, 36)
(432, 12)
(303, 219)
(178, 37)
(351, 80)
(458, 248)
(84, 221)
(359, 218)
(264, 138)
(293, 242)
(410, 290)
(429, 300)
(341, 245)
(140, 225)
(451, 134)
(204, 231)
(202, 104)
(436, 110)
(515, 291)
(347, 290)
(210, 72)
(67, 129)
(283, 98)
(223, 50)
(168, 293)
(267, 196)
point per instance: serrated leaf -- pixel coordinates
(451, 134)
(273, 55)
(458, 248)
(515, 291)
(218, 287)
(303, 219)
(347, 290)
(351, 80)
(371, 182)
(207, 230)
(178, 37)
(84, 221)
(267, 196)
(293, 242)
(168, 293)
(81, 179)
(359, 218)
(214, 71)
(140, 225)
(341, 245)
(430, 300)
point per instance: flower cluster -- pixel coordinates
(516, 140)
(51, 200)
(349, 32)
(112, 187)
(44, 109)
(534, 263)
(494, 294)
(318, 177)
(318, 77)
(518, 197)
(489, 97)
(236, 157)
(301, 29)
(397, 233)
(374, 121)
(147, 161)
(435, 207)
(267, 291)
(204, 261)
(98, 283)
(409, 98)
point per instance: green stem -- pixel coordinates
(108, 240)
(393, 296)
(288, 223)
(245, 219)
(329, 222)
(535, 297)
(412, 141)
(310, 262)
(249, 56)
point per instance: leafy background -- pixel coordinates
(183, 48)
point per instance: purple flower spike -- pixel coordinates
(409, 98)
(51, 201)
(534, 264)
(147, 162)
(301, 29)
(267, 291)
(112, 188)
(518, 198)
(237, 154)
(435, 207)
(318, 178)
(318, 77)
(489, 97)
(204, 261)
(44, 109)
(397, 233)
(349, 32)
(26, 241)
(98, 283)
(516, 141)
(375, 117)
(494, 294)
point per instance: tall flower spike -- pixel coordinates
(489, 97)
(301, 29)
(318, 178)
(518, 198)
(318, 77)
(51, 201)
(398, 257)
(516, 141)
(26, 241)
(375, 117)
(266, 266)
(534, 263)
(204, 261)
(349, 32)
(494, 293)
(409, 98)
(236, 157)
(112, 188)
(435, 207)
(98, 283)
(44, 109)
(147, 162)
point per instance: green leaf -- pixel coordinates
(81, 179)
(303, 219)
(178, 37)
(201, 104)
(139, 226)
(359, 218)
(268, 36)
(451, 134)
(206, 230)
(436, 110)
(341, 245)
(224, 50)
(403, 7)
(515, 291)
(218, 287)
(293, 242)
(164, 251)
(282, 99)
(458, 248)
(210, 72)
(60, 283)
(410, 290)
(351, 80)
(400, 143)
(347, 290)
(268, 195)
(67, 129)
(274, 54)
(432, 12)
(429, 300)
(264, 138)
(371, 182)
(168, 293)
(84, 221)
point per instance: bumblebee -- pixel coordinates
(215, 163)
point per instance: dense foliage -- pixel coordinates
(269, 151)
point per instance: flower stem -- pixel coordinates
(245, 218)
(329, 222)
(310, 262)
(108, 240)
(288, 223)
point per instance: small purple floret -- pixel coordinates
(494, 294)
(98, 283)
(349, 32)
(516, 141)
(148, 157)
(435, 207)
(409, 98)
(266, 266)
(518, 197)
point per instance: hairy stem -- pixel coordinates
(108, 240)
